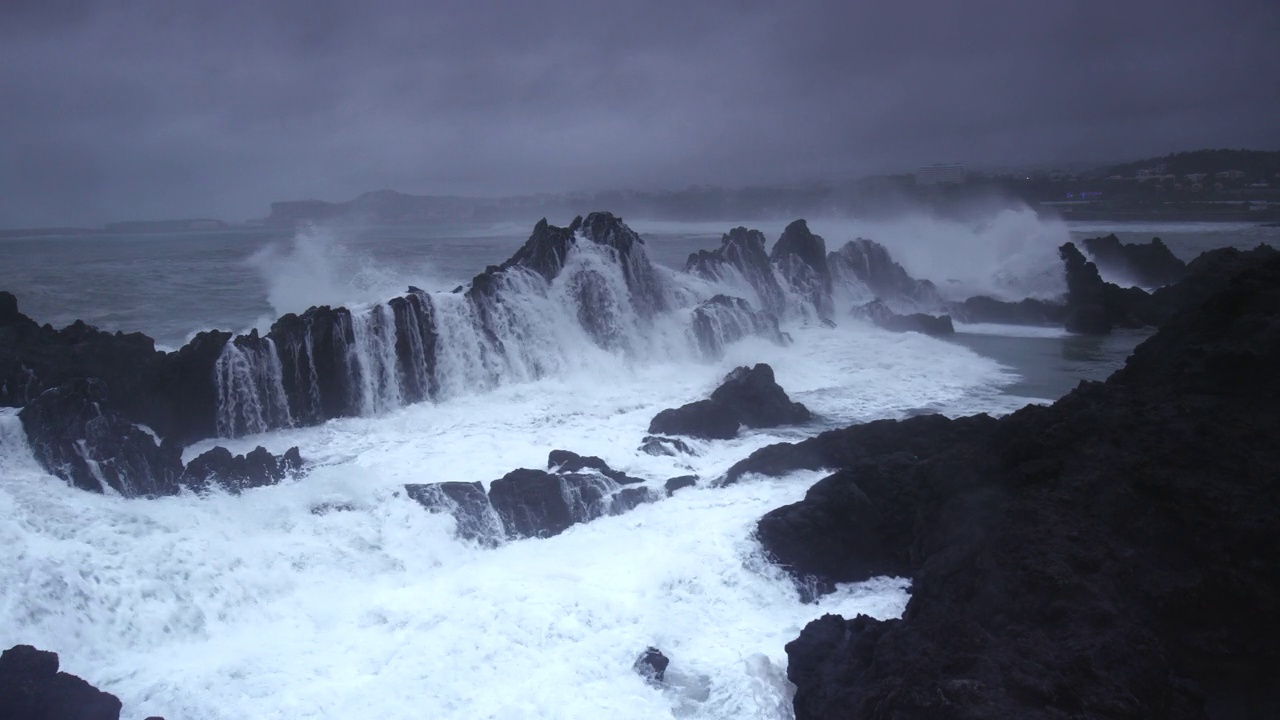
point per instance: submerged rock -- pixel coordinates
(748, 396)
(679, 483)
(564, 461)
(659, 445)
(474, 515)
(31, 688)
(652, 665)
(880, 314)
(1106, 556)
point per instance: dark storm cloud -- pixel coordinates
(112, 110)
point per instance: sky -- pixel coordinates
(139, 109)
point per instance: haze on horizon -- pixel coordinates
(151, 109)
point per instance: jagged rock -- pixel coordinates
(652, 665)
(534, 503)
(1111, 555)
(415, 344)
(76, 438)
(801, 258)
(564, 461)
(723, 320)
(742, 251)
(1095, 306)
(236, 473)
(630, 498)
(680, 483)
(473, 513)
(1209, 273)
(983, 309)
(1147, 265)
(880, 314)
(869, 263)
(31, 688)
(748, 396)
(658, 445)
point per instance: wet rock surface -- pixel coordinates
(236, 473)
(748, 396)
(32, 688)
(1146, 265)
(1111, 555)
(885, 318)
(869, 263)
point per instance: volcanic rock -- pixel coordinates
(742, 250)
(236, 473)
(534, 503)
(31, 688)
(473, 514)
(801, 258)
(74, 436)
(564, 461)
(1111, 555)
(880, 314)
(868, 263)
(658, 445)
(1146, 265)
(723, 320)
(983, 309)
(680, 483)
(652, 665)
(748, 396)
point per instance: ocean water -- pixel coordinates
(335, 596)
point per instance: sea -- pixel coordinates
(334, 595)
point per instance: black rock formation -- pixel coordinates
(679, 483)
(236, 473)
(748, 396)
(723, 320)
(1111, 555)
(1150, 265)
(742, 250)
(534, 503)
(658, 445)
(564, 461)
(983, 309)
(75, 437)
(31, 688)
(868, 263)
(1094, 306)
(883, 317)
(801, 258)
(652, 665)
(474, 516)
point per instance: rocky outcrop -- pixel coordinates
(534, 503)
(652, 665)
(658, 445)
(1146, 265)
(1209, 273)
(472, 512)
(883, 317)
(1094, 306)
(742, 252)
(1030, 311)
(723, 320)
(867, 263)
(236, 473)
(565, 461)
(801, 259)
(679, 483)
(1111, 555)
(32, 688)
(748, 396)
(74, 436)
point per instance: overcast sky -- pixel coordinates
(116, 110)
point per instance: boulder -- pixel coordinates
(1111, 555)
(723, 320)
(880, 314)
(468, 504)
(801, 259)
(75, 437)
(652, 665)
(564, 461)
(236, 473)
(748, 396)
(1146, 265)
(31, 688)
(679, 483)
(742, 252)
(659, 445)
(534, 503)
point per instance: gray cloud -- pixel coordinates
(145, 109)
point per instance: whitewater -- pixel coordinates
(334, 595)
